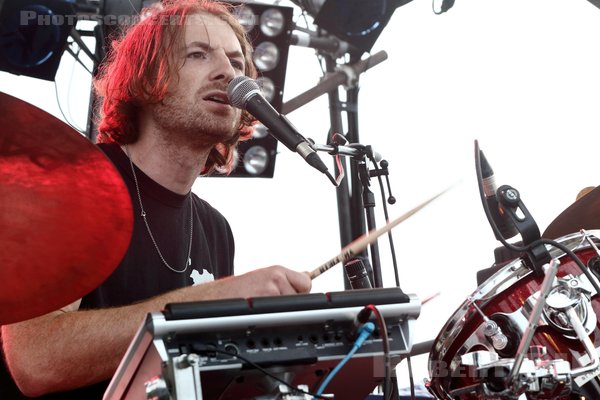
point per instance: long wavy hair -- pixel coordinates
(140, 67)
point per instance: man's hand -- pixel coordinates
(270, 281)
(100, 337)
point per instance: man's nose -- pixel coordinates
(222, 68)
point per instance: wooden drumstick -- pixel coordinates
(362, 242)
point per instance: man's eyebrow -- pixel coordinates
(207, 47)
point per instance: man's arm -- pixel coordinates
(70, 348)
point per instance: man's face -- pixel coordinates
(196, 110)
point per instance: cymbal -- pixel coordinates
(584, 213)
(65, 213)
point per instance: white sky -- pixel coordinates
(521, 76)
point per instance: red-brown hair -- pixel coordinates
(141, 65)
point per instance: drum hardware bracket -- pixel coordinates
(511, 204)
(548, 379)
(571, 294)
(533, 322)
(535, 376)
(522, 371)
(491, 330)
(585, 340)
(594, 262)
(568, 318)
(551, 377)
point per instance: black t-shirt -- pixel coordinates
(142, 274)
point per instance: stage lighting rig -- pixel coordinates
(269, 28)
(33, 36)
(356, 22)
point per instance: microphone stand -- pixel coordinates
(368, 199)
(359, 153)
(347, 232)
(350, 203)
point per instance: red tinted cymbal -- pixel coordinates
(65, 213)
(582, 214)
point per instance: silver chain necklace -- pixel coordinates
(144, 217)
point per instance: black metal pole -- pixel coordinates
(343, 190)
(362, 199)
(368, 200)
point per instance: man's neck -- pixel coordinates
(172, 166)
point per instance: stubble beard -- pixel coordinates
(191, 125)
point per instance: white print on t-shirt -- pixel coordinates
(203, 277)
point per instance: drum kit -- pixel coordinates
(528, 335)
(520, 334)
(66, 221)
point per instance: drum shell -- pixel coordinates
(505, 293)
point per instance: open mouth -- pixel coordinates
(218, 98)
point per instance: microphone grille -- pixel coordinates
(355, 267)
(240, 89)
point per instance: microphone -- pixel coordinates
(501, 220)
(357, 274)
(331, 45)
(446, 5)
(244, 93)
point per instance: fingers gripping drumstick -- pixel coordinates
(362, 242)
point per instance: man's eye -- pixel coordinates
(197, 54)
(237, 65)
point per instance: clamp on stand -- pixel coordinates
(511, 204)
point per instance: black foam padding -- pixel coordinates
(363, 297)
(294, 302)
(207, 309)
(275, 304)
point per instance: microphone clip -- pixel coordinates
(509, 200)
(385, 172)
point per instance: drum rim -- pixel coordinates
(503, 279)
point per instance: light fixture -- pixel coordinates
(266, 56)
(270, 35)
(260, 131)
(246, 17)
(256, 160)
(357, 22)
(33, 36)
(272, 22)
(267, 87)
